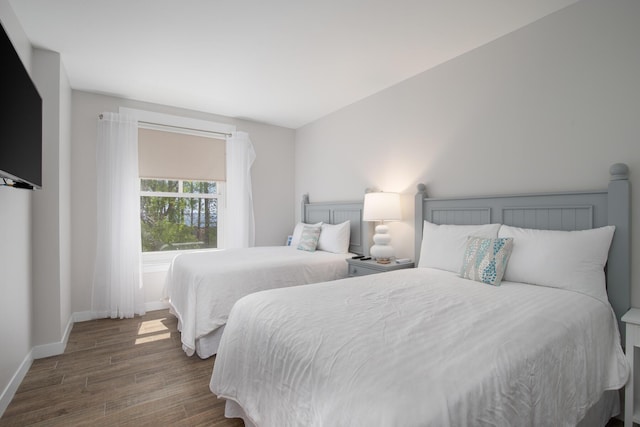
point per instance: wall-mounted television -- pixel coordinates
(20, 122)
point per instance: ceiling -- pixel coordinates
(282, 62)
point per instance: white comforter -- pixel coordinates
(418, 347)
(203, 286)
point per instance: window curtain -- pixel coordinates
(117, 285)
(239, 220)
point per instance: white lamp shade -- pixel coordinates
(381, 207)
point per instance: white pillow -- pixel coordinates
(572, 260)
(443, 246)
(335, 237)
(297, 232)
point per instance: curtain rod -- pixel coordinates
(179, 127)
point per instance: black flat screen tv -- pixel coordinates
(20, 121)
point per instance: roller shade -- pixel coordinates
(172, 155)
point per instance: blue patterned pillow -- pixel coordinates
(309, 238)
(486, 259)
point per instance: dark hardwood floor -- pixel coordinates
(129, 372)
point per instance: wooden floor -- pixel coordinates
(129, 372)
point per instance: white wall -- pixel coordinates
(15, 256)
(64, 195)
(272, 181)
(547, 108)
(51, 215)
(15, 288)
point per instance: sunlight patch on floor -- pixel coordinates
(153, 337)
(152, 330)
(150, 326)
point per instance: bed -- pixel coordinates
(530, 338)
(201, 287)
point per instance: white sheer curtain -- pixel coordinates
(239, 220)
(117, 286)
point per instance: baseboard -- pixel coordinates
(37, 352)
(11, 388)
(53, 349)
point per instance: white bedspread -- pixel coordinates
(203, 286)
(418, 347)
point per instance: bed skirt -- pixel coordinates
(208, 345)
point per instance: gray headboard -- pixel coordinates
(337, 212)
(551, 211)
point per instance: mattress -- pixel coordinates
(201, 287)
(418, 347)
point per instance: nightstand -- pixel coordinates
(632, 321)
(362, 268)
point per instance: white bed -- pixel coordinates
(418, 347)
(201, 287)
(425, 347)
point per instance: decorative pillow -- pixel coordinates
(297, 232)
(486, 259)
(572, 260)
(309, 238)
(335, 237)
(443, 246)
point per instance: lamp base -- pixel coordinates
(382, 251)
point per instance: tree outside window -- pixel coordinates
(178, 215)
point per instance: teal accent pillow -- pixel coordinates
(309, 238)
(486, 259)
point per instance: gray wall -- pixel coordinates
(546, 108)
(272, 182)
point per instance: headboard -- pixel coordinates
(337, 212)
(552, 211)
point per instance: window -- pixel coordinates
(181, 179)
(181, 164)
(179, 214)
(182, 175)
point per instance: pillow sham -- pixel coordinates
(443, 246)
(485, 259)
(335, 237)
(309, 238)
(297, 232)
(572, 260)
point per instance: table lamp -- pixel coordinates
(381, 206)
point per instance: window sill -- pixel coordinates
(153, 262)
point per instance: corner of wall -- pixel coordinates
(55, 348)
(11, 388)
